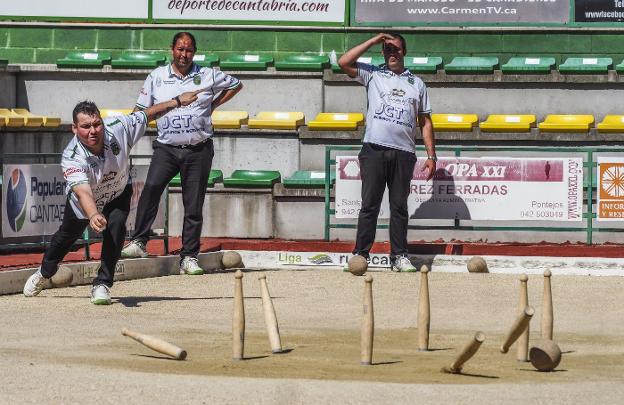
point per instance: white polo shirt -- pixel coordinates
(191, 124)
(394, 103)
(107, 174)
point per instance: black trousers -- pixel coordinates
(193, 163)
(116, 213)
(381, 166)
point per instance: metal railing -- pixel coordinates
(589, 184)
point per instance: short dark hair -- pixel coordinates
(183, 34)
(397, 35)
(86, 107)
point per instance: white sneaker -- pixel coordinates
(100, 295)
(34, 284)
(189, 265)
(134, 249)
(402, 264)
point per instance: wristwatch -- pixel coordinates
(432, 157)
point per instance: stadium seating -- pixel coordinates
(336, 121)
(113, 112)
(247, 62)
(508, 123)
(34, 119)
(454, 122)
(472, 65)
(4, 62)
(423, 64)
(229, 119)
(276, 120)
(252, 178)
(92, 59)
(566, 123)
(611, 123)
(586, 66)
(308, 179)
(10, 119)
(206, 59)
(139, 60)
(303, 63)
(215, 176)
(528, 65)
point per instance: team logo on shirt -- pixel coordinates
(197, 80)
(114, 147)
(158, 81)
(410, 80)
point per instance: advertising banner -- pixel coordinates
(489, 188)
(461, 11)
(312, 11)
(33, 199)
(598, 10)
(123, 9)
(610, 199)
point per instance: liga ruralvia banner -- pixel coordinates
(610, 199)
(488, 188)
(599, 10)
(461, 11)
(33, 199)
(326, 11)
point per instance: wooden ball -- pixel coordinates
(232, 260)
(545, 355)
(62, 278)
(358, 265)
(477, 264)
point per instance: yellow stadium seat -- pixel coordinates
(30, 120)
(10, 119)
(566, 123)
(113, 112)
(336, 121)
(508, 123)
(229, 119)
(277, 120)
(454, 122)
(611, 123)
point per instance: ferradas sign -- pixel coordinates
(34, 197)
(488, 188)
(305, 11)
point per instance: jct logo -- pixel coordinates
(16, 200)
(390, 111)
(176, 121)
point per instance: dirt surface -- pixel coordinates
(58, 348)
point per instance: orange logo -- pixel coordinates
(611, 183)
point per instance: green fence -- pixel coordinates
(589, 186)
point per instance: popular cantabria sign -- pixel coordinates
(488, 188)
(34, 197)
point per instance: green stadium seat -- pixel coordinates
(581, 66)
(139, 60)
(308, 179)
(528, 65)
(253, 178)
(206, 59)
(247, 62)
(423, 64)
(620, 68)
(4, 62)
(215, 176)
(303, 63)
(472, 65)
(611, 123)
(336, 122)
(508, 123)
(566, 123)
(84, 60)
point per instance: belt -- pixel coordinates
(188, 145)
